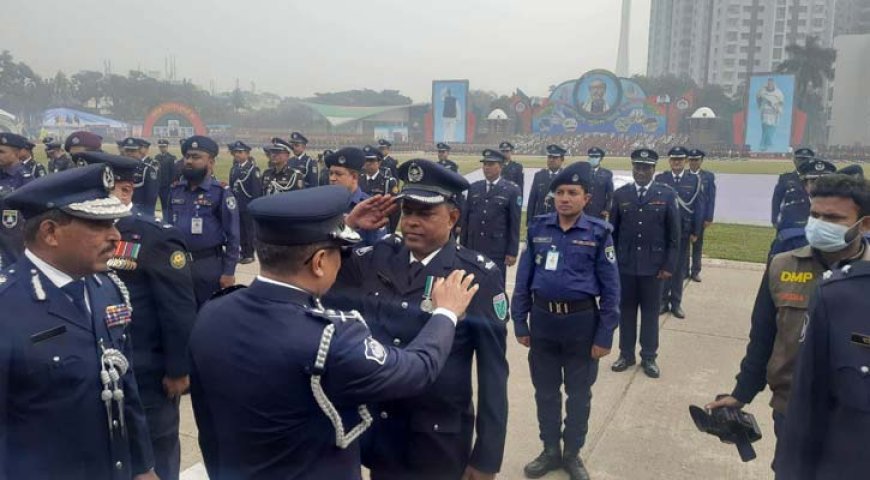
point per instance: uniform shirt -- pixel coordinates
(11, 221)
(392, 165)
(491, 219)
(513, 171)
(245, 183)
(247, 433)
(646, 231)
(448, 164)
(215, 205)
(381, 183)
(790, 205)
(586, 267)
(53, 423)
(60, 164)
(369, 237)
(308, 167)
(708, 183)
(283, 180)
(166, 168)
(33, 169)
(602, 193)
(689, 199)
(147, 185)
(540, 201)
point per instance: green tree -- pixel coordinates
(812, 65)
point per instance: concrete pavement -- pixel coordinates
(640, 428)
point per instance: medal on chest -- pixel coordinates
(427, 305)
(125, 256)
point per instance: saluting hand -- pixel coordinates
(372, 213)
(454, 292)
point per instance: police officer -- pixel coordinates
(790, 204)
(569, 262)
(491, 218)
(151, 259)
(708, 186)
(316, 368)
(794, 237)
(58, 160)
(166, 170)
(540, 200)
(601, 202)
(388, 162)
(246, 186)
(71, 407)
(345, 168)
(205, 212)
(147, 179)
(377, 180)
(301, 161)
(429, 436)
(646, 233)
(691, 203)
(443, 160)
(856, 170)
(786, 289)
(512, 171)
(323, 172)
(32, 168)
(281, 176)
(82, 141)
(12, 177)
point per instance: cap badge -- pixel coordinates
(194, 145)
(644, 154)
(108, 179)
(3, 140)
(76, 140)
(575, 178)
(342, 160)
(415, 173)
(820, 166)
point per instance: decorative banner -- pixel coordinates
(450, 110)
(769, 113)
(173, 127)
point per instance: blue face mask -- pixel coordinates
(827, 237)
(594, 161)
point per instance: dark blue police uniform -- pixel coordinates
(12, 224)
(246, 186)
(708, 190)
(390, 163)
(491, 217)
(601, 202)
(560, 275)
(208, 218)
(513, 170)
(284, 179)
(69, 402)
(381, 183)
(278, 383)
(60, 163)
(646, 233)
(790, 207)
(429, 436)
(540, 198)
(304, 163)
(793, 236)
(32, 168)
(166, 171)
(147, 184)
(446, 163)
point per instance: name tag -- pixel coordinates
(658, 203)
(542, 239)
(585, 243)
(196, 225)
(861, 340)
(178, 201)
(552, 261)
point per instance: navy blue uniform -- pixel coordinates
(245, 432)
(601, 190)
(540, 201)
(53, 423)
(828, 421)
(60, 164)
(708, 185)
(491, 220)
(430, 435)
(284, 180)
(147, 183)
(790, 208)
(33, 169)
(152, 261)
(208, 219)
(449, 164)
(246, 185)
(166, 172)
(382, 183)
(392, 165)
(308, 168)
(646, 233)
(559, 277)
(12, 224)
(513, 171)
(691, 205)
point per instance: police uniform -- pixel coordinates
(60, 163)
(147, 184)
(324, 172)
(352, 159)
(12, 224)
(560, 276)
(447, 163)
(381, 183)
(208, 218)
(540, 199)
(166, 170)
(790, 206)
(304, 163)
(390, 163)
(491, 218)
(32, 168)
(71, 406)
(300, 415)
(601, 202)
(246, 186)
(646, 233)
(708, 190)
(513, 170)
(691, 203)
(151, 259)
(429, 436)
(286, 179)
(793, 237)
(828, 421)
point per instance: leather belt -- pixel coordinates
(566, 307)
(206, 253)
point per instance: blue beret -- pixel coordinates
(348, 157)
(579, 173)
(428, 182)
(696, 153)
(12, 140)
(493, 156)
(278, 145)
(506, 147)
(201, 143)
(804, 152)
(124, 168)
(303, 217)
(678, 152)
(163, 142)
(132, 143)
(856, 170)
(442, 147)
(80, 192)
(815, 168)
(297, 137)
(595, 152)
(372, 153)
(645, 156)
(384, 143)
(556, 151)
(239, 146)
(82, 138)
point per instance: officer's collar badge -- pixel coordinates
(125, 256)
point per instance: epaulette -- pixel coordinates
(226, 291)
(392, 240)
(601, 223)
(479, 260)
(336, 316)
(7, 279)
(150, 220)
(856, 269)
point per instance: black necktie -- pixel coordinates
(76, 291)
(641, 192)
(676, 178)
(414, 271)
(488, 186)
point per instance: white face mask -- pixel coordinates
(594, 161)
(828, 237)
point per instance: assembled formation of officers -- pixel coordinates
(372, 335)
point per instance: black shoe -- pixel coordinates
(678, 312)
(696, 277)
(574, 466)
(650, 368)
(550, 459)
(622, 364)
(246, 260)
(664, 309)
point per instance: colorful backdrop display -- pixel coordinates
(450, 110)
(769, 113)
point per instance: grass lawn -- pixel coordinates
(745, 243)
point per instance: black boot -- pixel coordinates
(574, 466)
(550, 459)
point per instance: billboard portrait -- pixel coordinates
(597, 94)
(450, 110)
(769, 113)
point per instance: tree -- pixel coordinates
(361, 98)
(811, 65)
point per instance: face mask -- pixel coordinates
(594, 161)
(194, 174)
(827, 237)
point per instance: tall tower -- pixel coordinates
(624, 29)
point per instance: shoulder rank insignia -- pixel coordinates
(125, 256)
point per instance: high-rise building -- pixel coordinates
(853, 17)
(679, 38)
(624, 30)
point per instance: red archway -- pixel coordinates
(163, 109)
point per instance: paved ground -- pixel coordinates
(640, 428)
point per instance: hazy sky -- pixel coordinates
(296, 48)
